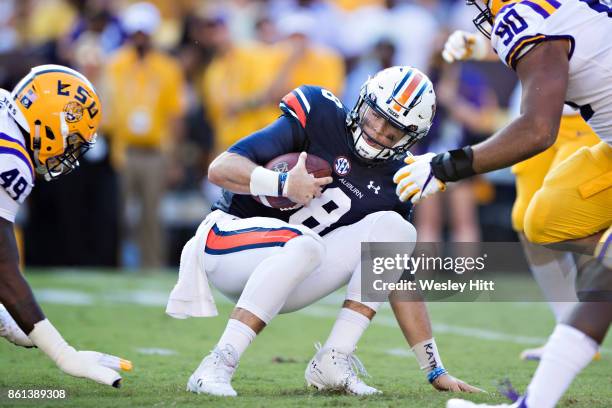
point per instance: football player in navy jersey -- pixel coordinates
(274, 261)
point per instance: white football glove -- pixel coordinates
(416, 181)
(462, 45)
(11, 331)
(101, 368)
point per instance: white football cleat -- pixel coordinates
(332, 369)
(504, 387)
(214, 374)
(459, 403)
(11, 331)
(535, 354)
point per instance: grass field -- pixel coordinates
(123, 314)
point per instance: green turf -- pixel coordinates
(118, 322)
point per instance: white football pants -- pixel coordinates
(269, 266)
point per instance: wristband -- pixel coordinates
(282, 184)
(427, 355)
(267, 182)
(433, 376)
(453, 165)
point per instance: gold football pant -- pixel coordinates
(545, 216)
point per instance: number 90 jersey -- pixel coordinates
(587, 24)
(16, 167)
(314, 120)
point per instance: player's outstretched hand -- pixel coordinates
(447, 382)
(462, 45)
(95, 366)
(416, 181)
(302, 187)
(100, 367)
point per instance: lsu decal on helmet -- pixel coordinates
(488, 10)
(405, 97)
(61, 111)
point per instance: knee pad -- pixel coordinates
(308, 251)
(389, 226)
(545, 224)
(537, 223)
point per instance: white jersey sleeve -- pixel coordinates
(16, 167)
(16, 177)
(8, 206)
(520, 26)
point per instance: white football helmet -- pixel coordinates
(405, 97)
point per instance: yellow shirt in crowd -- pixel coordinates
(355, 4)
(318, 66)
(47, 20)
(240, 74)
(143, 97)
(246, 71)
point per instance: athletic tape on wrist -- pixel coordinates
(267, 182)
(427, 355)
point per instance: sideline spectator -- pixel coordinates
(305, 61)
(145, 88)
(466, 110)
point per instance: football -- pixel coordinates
(315, 166)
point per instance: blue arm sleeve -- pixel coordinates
(280, 137)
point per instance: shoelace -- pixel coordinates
(351, 361)
(227, 355)
(356, 365)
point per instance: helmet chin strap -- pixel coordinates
(40, 169)
(65, 131)
(64, 127)
(363, 148)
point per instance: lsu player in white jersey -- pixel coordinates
(555, 271)
(561, 52)
(47, 122)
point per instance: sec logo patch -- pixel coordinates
(342, 166)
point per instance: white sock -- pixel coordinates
(567, 352)
(238, 335)
(347, 330)
(561, 309)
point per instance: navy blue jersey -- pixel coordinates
(314, 120)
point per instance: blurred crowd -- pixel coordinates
(182, 80)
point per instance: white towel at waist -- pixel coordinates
(191, 296)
